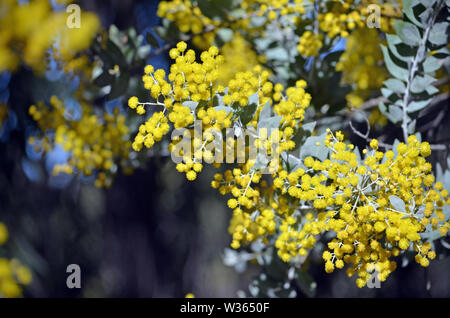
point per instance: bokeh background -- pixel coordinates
(153, 233)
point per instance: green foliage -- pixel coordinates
(408, 57)
(126, 55)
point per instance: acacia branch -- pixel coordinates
(413, 67)
(388, 146)
(374, 102)
(366, 136)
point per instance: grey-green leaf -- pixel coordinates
(431, 90)
(278, 54)
(394, 146)
(310, 148)
(386, 92)
(228, 109)
(261, 162)
(254, 99)
(411, 127)
(426, 15)
(395, 114)
(265, 112)
(407, 32)
(408, 6)
(431, 64)
(225, 34)
(398, 49)
(393, 68)
(438, 34)
(395, 85)
(302, 133)
(420, 83)
(192, 105)
(383, 109)
(397, 203)
(294, 162)
(269, 123)
(431, 235)
(417, 105)
(256, 21)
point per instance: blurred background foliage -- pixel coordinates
(145, 236)
(152, 233)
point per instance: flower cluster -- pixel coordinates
(245, 185)
(13, 275)
(185, 14)
(247, 189)
(36, 27)
(273, 8)
(238, 57)
(152, 131)
(94, 143)
(188, 17)
(187, 80)
(377, 208)
(360, 65)
(340, 20)
(189, 93)
(342, 17)
(310, 44)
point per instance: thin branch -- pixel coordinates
(366, 137)
(168, 45)
(441, 81)
(439, 147)
(435, 101)
(374, 102)
(161, 50)
(433, 123)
